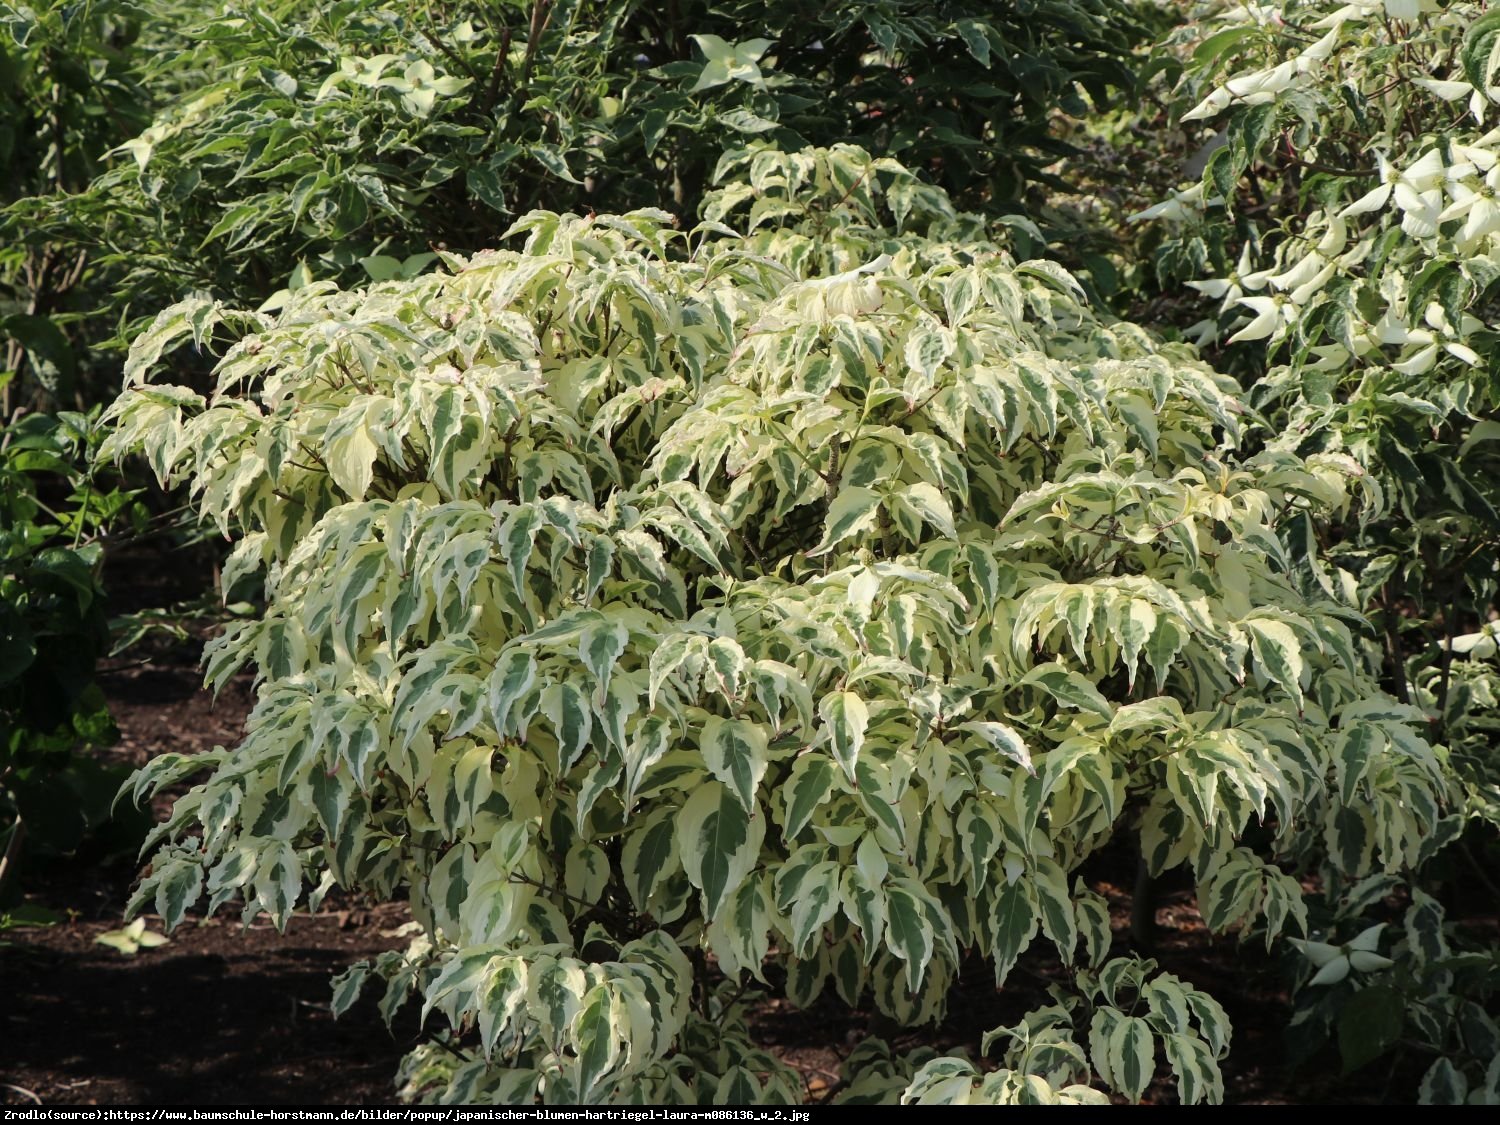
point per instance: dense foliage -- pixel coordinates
(349, 140)
(52, 631)
(1350, 184)
(817, 599)
(68, 94)
(699, 559)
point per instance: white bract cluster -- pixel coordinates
(415, 79)
(1334, 962)
(1376, 281)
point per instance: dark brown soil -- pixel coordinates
(218, 1016)
(221, 1015)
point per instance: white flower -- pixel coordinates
(1335, 238)
(1254, 88)
(1419, 210)
(1450, 339)
(1230, 289)
(1210, 106)
(1429, 342)
(1359, 9)
(1263, 84)
(1256, 281)
(1335, 961)
(1426, 173)
(1319, 51)
(365, 72)
(1447, 91)
(1203, 333)
(1252, 13)
(1472, 160)
(1463, 352)
(1300, 274)
(1391, 329)
(1330, 357)
(1309, 288)
(1376, 198)
(1480, 644)
(1416, 191)
(1475, 203)
(1226, 287)
(1408, 9)
(1183, 206)
(1308, 274)
(1272, 314)
(1419, 363)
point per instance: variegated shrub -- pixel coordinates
(669, 612)
(1353, 176)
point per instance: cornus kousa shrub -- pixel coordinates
(1354, 200)
(1354, 184)
(674, 618)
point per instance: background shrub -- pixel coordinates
(1346, 212)
(52, 633)
(350, 140)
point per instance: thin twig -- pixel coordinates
(497, 74)
(1442, 698)
(541, 16)
(624, 919)
(10, 862)
(1393, 648)
(728, 1008)
(23, 1091)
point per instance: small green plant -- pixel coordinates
(1416, 992)
(52, 632)
(27, 916)
(1108, 1027)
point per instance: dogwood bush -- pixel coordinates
(790, 603)
(1353, 173)
(1360, 196)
